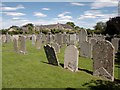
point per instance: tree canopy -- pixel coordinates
(113, 26)
(71, 24)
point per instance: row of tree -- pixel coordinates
(111, 27)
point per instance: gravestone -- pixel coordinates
(83, 36)
(8, 37)
(59, 38)
(103, 60)
(3, 38)
(38, 42)
(15, 45)
(43, 38)
(51, 55)
(33, 39)
(71, 58)
(93, 41)
(22, 40)
(72, 39)
(67, 39)
(56, 47)
(86, 49)
(115, 42)
(48, 38)
(64, 38)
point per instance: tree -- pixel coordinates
(113, 26)
(3, 31)
(100, 27)
(71, 24)
(30, 27)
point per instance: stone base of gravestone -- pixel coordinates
(51, 55)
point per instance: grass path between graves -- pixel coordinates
(32, 71)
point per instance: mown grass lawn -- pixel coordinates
(32, 71)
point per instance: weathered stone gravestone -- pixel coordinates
(22, 40)
(8, 38)
(64, 38)
(59, 38)
(93, 41)
(43, 38)
(72, 39)
(86, 50)
(33, 39)
(71, 58)
(67, 39)
(56, 47)
(39, 43)
(115, 42)
(3, 38)
(51, 55)
(15, 45)
(83, 36)
(103, 60)
(48, 38)
(99, 37)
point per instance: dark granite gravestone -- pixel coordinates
(51, 55)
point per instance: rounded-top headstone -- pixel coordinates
(103, 59)
(71, 58)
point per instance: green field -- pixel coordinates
(33, 71)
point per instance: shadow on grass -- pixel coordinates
(62, 65)
(103, 85)
(70, 89)
(85, 70)
(48, 63)
(117, 66)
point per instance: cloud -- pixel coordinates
(16, 18)
(77, 4)
(39, 14)
(14, 13)
(10, 22)
(46, 9)
(51, 21)
(90, 14)
(97, 4)
(91, 17)
(96, 14)
(12, 8)
(64, 16)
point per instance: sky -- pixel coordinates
(83, 14)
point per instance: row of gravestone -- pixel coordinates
(69, 39)
(86, 47)
(57, 38)
(86, 43)
(103, 58)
